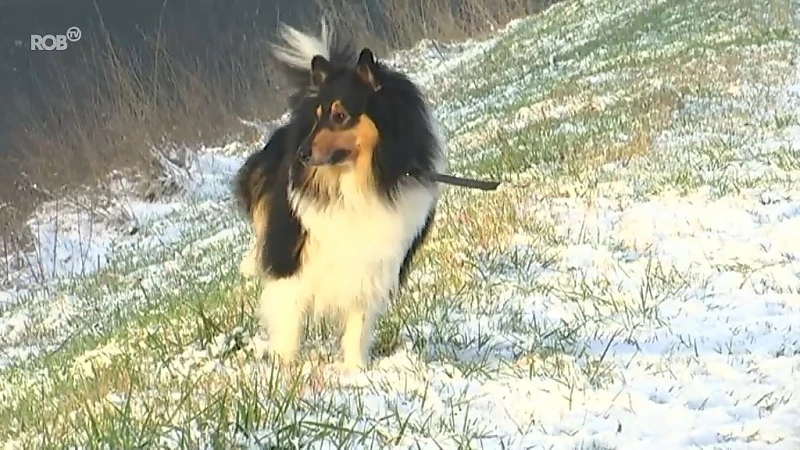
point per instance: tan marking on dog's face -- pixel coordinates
(366, 137)
(329, 144)
(355, 143)
(361, 140)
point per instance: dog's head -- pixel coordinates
(343, 133)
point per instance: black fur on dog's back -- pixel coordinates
(407, 138)
(256, 178)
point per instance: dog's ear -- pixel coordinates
(320, 68)
(366, 67)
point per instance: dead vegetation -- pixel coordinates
(118, 108)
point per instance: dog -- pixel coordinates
(340, 198)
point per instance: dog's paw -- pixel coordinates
(347, 368)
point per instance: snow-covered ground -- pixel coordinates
(635, 284)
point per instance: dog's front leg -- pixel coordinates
(357, 339)
(282, 310)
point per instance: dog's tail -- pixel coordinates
(298, 48)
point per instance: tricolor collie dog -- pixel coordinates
(339, 198)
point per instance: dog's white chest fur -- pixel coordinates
(354, 249)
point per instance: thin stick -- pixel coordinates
(465, 182)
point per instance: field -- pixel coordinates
(634, 284)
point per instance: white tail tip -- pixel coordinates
(300, 48)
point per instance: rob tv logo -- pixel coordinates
(55, 42)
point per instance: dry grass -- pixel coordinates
(122, 107)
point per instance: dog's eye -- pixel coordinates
(338, 117)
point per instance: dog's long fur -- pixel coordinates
(339, 197)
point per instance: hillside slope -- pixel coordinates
(635, 284)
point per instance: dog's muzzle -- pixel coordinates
(331, 158)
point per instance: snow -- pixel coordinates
(128, 232)
(694, 299)
(73, 239)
